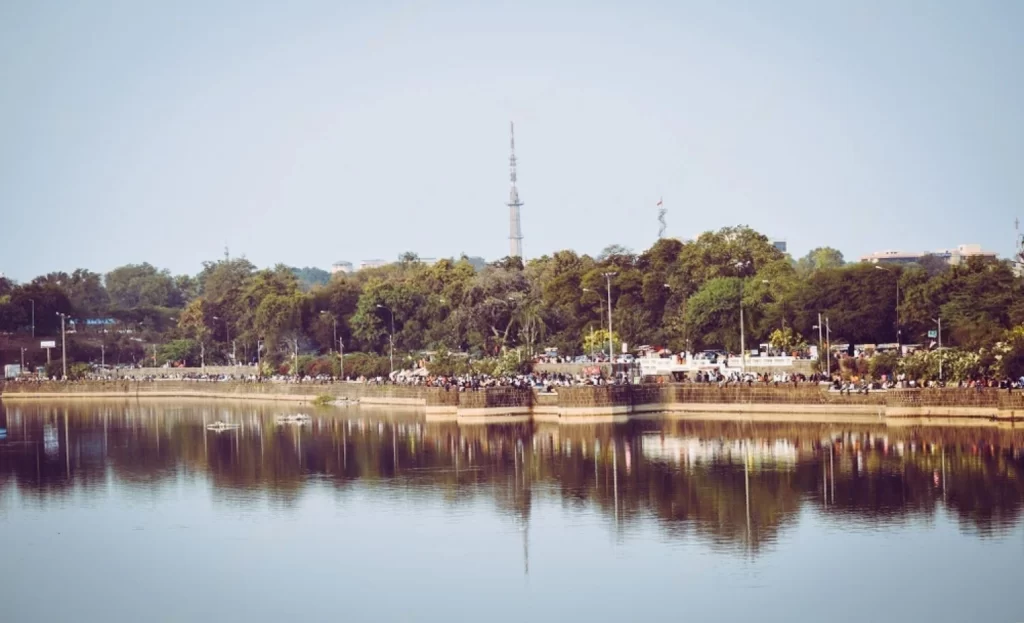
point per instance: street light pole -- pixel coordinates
(743, 337)
(33, 301)
(611, 348)
(740, 265)
(259, 358)
(600, 316)
(341, 346)
(821, 342)
(939, 321)
(899, 348)
(63, 346)
(828, 355)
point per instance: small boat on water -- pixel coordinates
(221, 426)
(293, 418)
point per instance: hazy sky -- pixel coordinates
(309, 132)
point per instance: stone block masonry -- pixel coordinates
(567, 403)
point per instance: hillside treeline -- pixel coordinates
(683, 295)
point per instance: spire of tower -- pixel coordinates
(661, 219)
(515, 236)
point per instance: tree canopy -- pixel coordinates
(674, 294)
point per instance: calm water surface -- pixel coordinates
(136, 511)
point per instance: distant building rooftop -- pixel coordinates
(341, 266)
(950, 256)
(372, 264)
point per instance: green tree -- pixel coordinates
(596, 341)
(883, 364)
(185, 351)
(1009, 354)
(446, 363)
(859, 301)
(140, 285)
(490, 307)
(786, 340)
(84, 289)
(714, 314)
(310, 277)
(817, 259)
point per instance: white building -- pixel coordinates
(341, 267)
(363, 265)
(952, 257)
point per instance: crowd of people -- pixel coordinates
(542, 381)
(546, 381)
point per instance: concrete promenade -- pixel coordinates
(767, 402)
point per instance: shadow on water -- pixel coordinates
(734, 485)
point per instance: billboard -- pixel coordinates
(48, 344)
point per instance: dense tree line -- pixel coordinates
(682, 295)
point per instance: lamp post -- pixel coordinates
(391, 337)
(740, 265)
(600, 314)
(341, 345)
(259, 359)
(33, 301)
(611, 348)
(939, 322)
(63, 345)
(899, 349)
(828, 336)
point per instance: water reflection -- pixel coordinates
(732, 485)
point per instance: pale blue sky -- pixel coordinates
(307, 132)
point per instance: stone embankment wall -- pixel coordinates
(569, 402)
(298, 392)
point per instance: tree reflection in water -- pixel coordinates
(735, 485)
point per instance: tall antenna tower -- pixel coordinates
(661, 219)
(515, 234)
(1019, 251)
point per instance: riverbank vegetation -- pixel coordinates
(682, 295)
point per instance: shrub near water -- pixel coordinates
(367, 365)
(323, 400)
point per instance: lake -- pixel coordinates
(129, 511)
